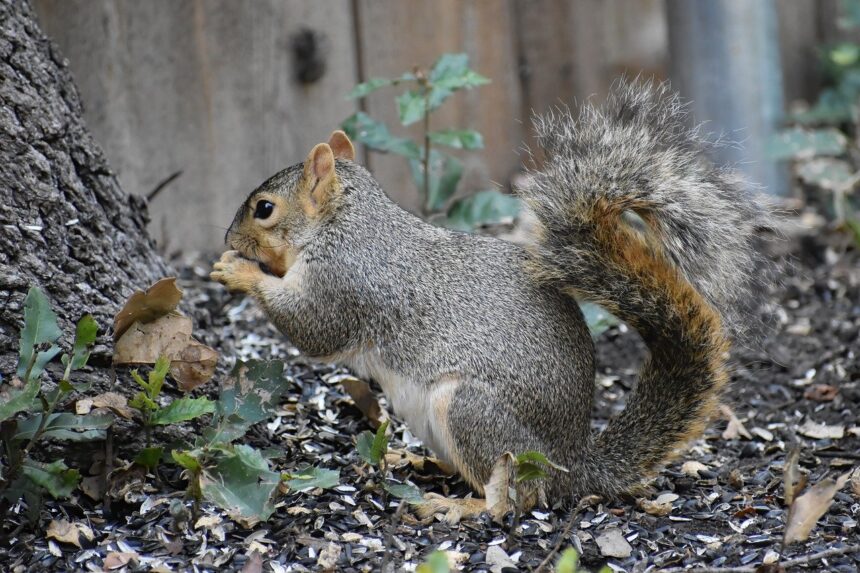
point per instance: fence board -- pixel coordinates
(396, 36)
(203, 87)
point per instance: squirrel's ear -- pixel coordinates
(341, 146)
(320, 182)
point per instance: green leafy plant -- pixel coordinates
(20, 474)
(153, 414)
(822, 140)
(568, 562)
(532, 466)
(372, 447)
(237, 477)
(436, 174)
(437, 562)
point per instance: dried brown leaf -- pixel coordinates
(191, 363)
(143, 307)
(809, 507)
(254, 563)
(500, 488)
(817, 431)
(736, 427)
(660, 507)
(118, 560)
(613, 544)
(821, 392)
(364, 399)
(692, 468)
(792, 480)
(115, 402)
(69, 532)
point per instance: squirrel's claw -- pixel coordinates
(236, 273)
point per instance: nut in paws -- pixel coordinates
(236, 272)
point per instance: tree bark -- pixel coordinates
(65, 224)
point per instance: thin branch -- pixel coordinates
(574, 513)
(806, 559)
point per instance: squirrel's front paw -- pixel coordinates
(236, 272)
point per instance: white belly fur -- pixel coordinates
(415, 403)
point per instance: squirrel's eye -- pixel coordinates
(263, 210)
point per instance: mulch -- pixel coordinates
(728, 514)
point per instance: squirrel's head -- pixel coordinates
(281, 215)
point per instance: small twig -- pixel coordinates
(389, 536)
(821, 555)
(107, 467)
(806, 559)
(574, 513)
(160, 187)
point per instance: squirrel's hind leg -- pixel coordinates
(477, 429)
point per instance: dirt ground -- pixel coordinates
(726, 514)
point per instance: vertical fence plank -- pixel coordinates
(207, 88)
(396, 36)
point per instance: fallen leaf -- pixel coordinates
(69, 532)
(364, 399)
(498, 559)
(93, 487)
(207, 521)
(115, 402)
(816, 431)
(793, 481)
(692, 468)
(660, 507)
(809, 507)
(191, 363)
(143, 307)
(855, 483)
(735, 427)
(765, 435)
(821, 392)
(500, 487)
(254, 563)
(327, 560)
(117, 560)
(83, 406)
(613, 544)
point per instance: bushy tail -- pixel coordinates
(632, 217)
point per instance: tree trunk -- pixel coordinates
(65, 224)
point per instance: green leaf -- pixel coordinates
(410, 107)
(529, 472)
(849, 14)
(66, 426)
(407, 492)
(799, 143)
(182, 410)
(55, 477)
(364, 129)
(436, 563)
(597, 318)
(827, 173)
(832, 107)
(149, 457)
(40, 327)
(452, 72)
(364, 446)
(254, 390)
(568, 562)
(379, 447)
(85, 337)
(458, 138)
(481, 208)
(373, 84)
(368, 87)
(157, 376)
(141, 402)
(242, 484)
(854, 227)
(187, 459)
(310, 477)
(373, 447)
(16, 400)
(445, 174)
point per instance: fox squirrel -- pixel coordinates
(479, 344)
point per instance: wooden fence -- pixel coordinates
(211, 88)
